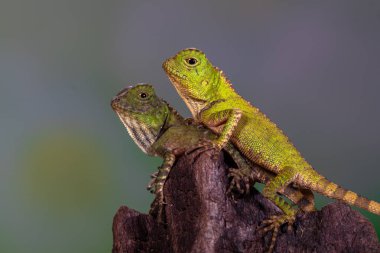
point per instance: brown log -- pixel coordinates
(201, 217)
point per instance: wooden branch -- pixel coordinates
(200, 217)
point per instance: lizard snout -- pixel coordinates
(114, 102)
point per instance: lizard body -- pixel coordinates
(160, 131)
(214, 103)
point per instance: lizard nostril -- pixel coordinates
(114, 101)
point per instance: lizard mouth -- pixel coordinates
(172, 71)
(125, 108)
(120, 107)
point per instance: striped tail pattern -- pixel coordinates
(332, 190)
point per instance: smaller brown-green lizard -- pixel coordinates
(160, 131)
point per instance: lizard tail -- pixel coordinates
(332, 190)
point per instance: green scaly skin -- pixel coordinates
(160, 131)
(214, 103)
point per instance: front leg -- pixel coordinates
(159, 183)
(229, 118)
(244, 173)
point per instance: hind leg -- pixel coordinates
(303, 198)
(278, 183)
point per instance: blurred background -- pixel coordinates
(67, 163)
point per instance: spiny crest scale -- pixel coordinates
(190, 49)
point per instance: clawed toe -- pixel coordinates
(152, 183)
(274, 223)
(202, 146)
(237, 180)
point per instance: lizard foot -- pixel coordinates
(274, 223)
(239, 182)
(204, 145)
(152, 183)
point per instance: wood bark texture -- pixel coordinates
(201, 217)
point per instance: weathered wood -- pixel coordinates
(200, 217)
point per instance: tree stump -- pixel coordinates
(201, 217)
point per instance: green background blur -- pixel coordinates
(67, 163)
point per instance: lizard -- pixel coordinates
(213, 102)
(159, 130)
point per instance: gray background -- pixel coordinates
(67, 163)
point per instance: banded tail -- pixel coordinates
(332, 190)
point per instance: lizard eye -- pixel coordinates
(191, 61)
(143, 95)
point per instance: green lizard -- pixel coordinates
(160, 131)
(214, 103)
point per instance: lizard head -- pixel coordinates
(196, 80)
(142, 113)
